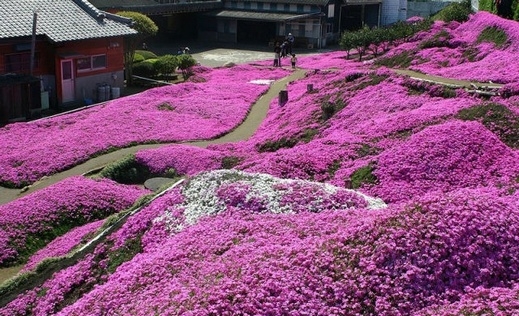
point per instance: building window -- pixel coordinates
(91, 63)
(20, 63)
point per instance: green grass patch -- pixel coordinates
(494, 35)
(441, 39)
(125, 253)
(402, 60)
(498, 119)
(275, 145)
(230, 162)
(362, 176)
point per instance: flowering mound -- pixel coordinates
(479, 49)
(395, 262)
(214, 192)
(445, 157)
(178, 157)
(28, 223)
(64, 244)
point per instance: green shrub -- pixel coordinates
(497, 118)
(145, 68)
(137, 58)
(361, 176)
(126, 171)
(166, 64)
(185, 63)
(146, 54)
(494, 35)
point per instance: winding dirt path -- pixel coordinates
(245, 130)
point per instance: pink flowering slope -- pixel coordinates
(169, 114)
(395, 262)
(443, 158)
(179, 158)
(462, 56)
(31, 221)
(62, 245)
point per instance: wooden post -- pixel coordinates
(283, 97)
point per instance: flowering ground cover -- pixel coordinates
(369, 194)
(479, 50)
(171, 114)
(29, 223)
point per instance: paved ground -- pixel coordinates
(209, 55)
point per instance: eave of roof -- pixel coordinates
(60, 21)
(260, 16)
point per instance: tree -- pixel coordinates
(145, 28)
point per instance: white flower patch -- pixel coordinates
(262, 81)
(201, 195)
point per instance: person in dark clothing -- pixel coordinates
(290, 39)
(277, 55)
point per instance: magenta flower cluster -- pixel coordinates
(171, 114)
(431, 230)
(69, 203)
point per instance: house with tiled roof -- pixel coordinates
(68, 47)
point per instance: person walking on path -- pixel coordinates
(277, 55)
(293, 60)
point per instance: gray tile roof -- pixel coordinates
(260, 16)
(59, 20)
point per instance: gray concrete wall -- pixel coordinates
(87, 87)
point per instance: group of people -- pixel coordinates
(283, 50)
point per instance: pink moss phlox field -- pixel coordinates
(69, 203)
(174, 113)
(395, 262)
(62, 245)
(443, 158)
(457, 60)
(184, 159)
(48, 298)
(480, 301)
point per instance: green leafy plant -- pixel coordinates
(166, 64)
(126, 171)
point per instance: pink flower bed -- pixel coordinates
(491, 64)
(63, 244)
(395, 262)
(170, 114)
(435, 232)
(69, 203)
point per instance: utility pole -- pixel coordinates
(33, 41)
